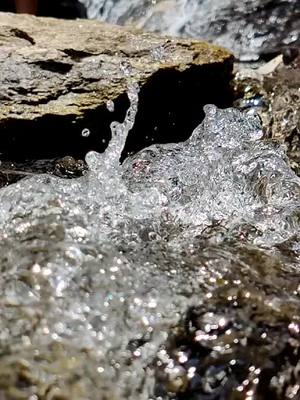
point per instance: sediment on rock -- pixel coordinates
(57, 78)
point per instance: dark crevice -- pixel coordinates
(170, 107)
(56, 136)
(54, 66)
(171, 104)
(77, 55)
(131, 54)
(19, 90)
(22, 35)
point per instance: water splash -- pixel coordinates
(96, 271)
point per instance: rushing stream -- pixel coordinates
(174, 275)
(247, 27)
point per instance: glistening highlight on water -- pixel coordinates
(95, 271)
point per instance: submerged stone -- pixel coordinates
(69, 167)
(66, 167)
(242, 338)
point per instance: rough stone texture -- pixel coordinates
(274, 90)
(57, 76)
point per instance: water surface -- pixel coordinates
(116, 284)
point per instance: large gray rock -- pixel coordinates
(57, 77)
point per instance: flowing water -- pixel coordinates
(249, 27)
(109, 282)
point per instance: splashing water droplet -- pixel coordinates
(125, 250)
(110, 105)
(110, 159)
(85, 132)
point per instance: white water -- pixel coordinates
(247, 27)
(93, 265)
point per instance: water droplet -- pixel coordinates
(110, 105)
(85, 132)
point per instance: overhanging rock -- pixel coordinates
(57, 77)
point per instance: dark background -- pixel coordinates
(52, 8)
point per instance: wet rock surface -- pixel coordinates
(66, 167)
(250, 28)
(273, 91)
(241, 341)
(60, 79)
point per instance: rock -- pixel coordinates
(65, 167)
(60, 79)
(239, 339)
(274, 89)
(68, 167)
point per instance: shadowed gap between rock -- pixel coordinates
(170, 107)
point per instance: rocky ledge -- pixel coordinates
(63, 82)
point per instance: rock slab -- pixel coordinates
(58, 76)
